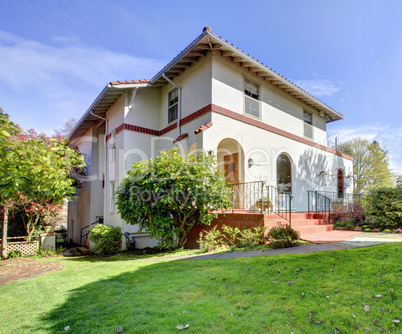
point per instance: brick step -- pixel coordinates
(313, 228)
(303, 222)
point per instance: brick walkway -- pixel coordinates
(18, 269)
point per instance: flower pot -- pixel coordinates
(48, 229)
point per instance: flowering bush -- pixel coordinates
(375, 230)
(399, 230)
(350, 212)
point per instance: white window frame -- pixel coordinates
(249, 98)
(113, 144)
(112, 198)
(308, 127)
(175, 105)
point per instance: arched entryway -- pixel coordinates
(284, 173)
(340, 183)
(230, 156)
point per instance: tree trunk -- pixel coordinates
(5, 227)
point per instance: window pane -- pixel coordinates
(252, 107)
(173, 113)
(308, 117)
(284, 174)
(308, 131)
(251, 89)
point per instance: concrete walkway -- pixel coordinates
(12, 270)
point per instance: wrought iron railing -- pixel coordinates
(341, 197)
(319, 204)
(281, 203)
(257, 197)
(86, 230)
(248, 196)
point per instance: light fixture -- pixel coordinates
(210, 152)
(250, 162)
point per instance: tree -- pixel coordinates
(168, 195)
(66, 129)
(370, 164)
(35, 172)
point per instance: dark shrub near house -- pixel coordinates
(384, 207)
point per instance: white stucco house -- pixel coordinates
(216, 98)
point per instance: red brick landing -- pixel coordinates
(311, 226)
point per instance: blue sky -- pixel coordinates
(56, 56)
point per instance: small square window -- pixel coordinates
(173, 105)
(252, 98)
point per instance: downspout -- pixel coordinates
(105, 167)
(179, 103)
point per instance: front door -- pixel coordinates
(231, 168)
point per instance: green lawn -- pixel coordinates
(307, 293)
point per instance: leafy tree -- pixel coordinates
(399, 181)
(168, 195)
(35, 172)
(370, 164)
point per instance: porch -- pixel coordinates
(254, 203)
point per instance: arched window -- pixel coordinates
(284, 173)
(340, 183)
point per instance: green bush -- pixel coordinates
(282, 236)
(107, 239)
(367, 230)
(231, 237)
(384, 207)
(211, 240)
(14, 254)
(344, 225)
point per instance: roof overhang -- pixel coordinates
(109, 95)
(208, 41)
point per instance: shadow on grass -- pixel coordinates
(260, 294)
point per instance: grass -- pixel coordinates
(305, 293)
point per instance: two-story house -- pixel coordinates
(216, 98)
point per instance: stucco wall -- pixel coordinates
(264, 147)
(276, 107)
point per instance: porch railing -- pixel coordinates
(319, 204)
(257, 197)
(86, 230)
(281, 203)
(342, 197)
(248, 196)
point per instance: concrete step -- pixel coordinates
(83, 250)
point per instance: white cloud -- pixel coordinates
(32, 66)
(388, 137)
(319, 87)
(66, 77)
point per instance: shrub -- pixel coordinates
(367, 230)
(107, 239)
(250, 237)
(282, 236)
(14, 254)
(211, 240)
(341, 225)
(384, 207)
(231, 237)
(347, 212)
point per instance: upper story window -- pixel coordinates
(308, 124)
(173, 105)
(252, 98)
